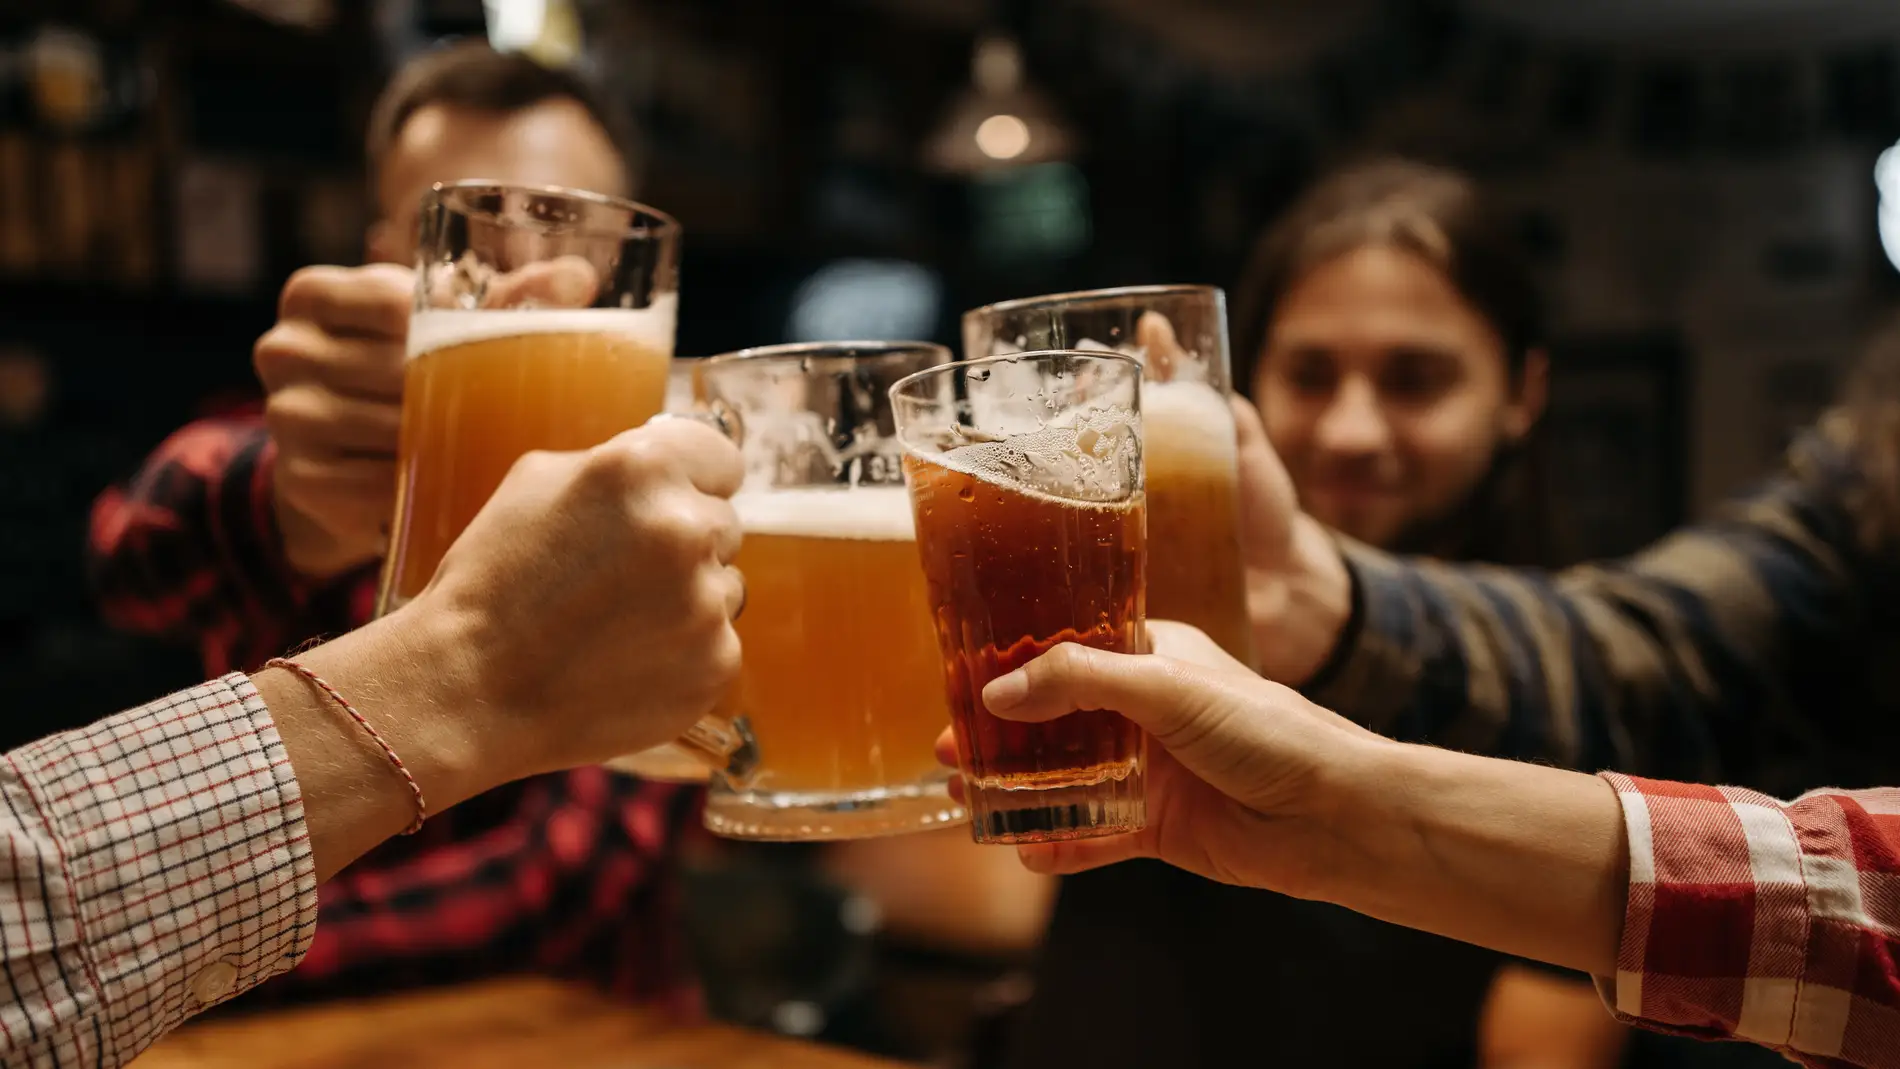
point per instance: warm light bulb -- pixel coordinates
(1887, 182)
(1002, 137)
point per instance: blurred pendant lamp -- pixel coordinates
(546, 31)
(999, 120)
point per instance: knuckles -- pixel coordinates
(308, 290)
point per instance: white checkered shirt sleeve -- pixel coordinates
(155, 863)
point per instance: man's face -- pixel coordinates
(552, 143)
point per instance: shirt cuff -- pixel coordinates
(180, 839)
(1716, 929)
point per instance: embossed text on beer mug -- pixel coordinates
(1192, 466)
(1026, 482)
(840, 681)
(543, 319)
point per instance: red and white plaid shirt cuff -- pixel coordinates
(156, 863)
(1769, 922)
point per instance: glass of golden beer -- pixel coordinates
(841, 682)
(1179, 333)
(1025, 477)
(543, 319)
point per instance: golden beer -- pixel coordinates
(841, 680)
(483, 388)
(1193, 505)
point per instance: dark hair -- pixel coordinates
(1431, 212)
(1440, 216)
(470, 74)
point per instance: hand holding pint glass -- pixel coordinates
(1179, 333)
(1026, 481)
(543, 320)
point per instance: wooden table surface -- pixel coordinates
(517, 1024)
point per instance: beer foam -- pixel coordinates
(1192, 417)
(439, 327)
(864, 513)
(1088, 457)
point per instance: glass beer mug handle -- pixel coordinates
(726, 746)
(718, 415)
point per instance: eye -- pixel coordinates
(1418, 376)
(1309, 372)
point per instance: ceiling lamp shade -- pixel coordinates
(1000, 120)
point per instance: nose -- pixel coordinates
(1353, 424)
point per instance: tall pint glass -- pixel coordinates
(543, 319)
(1025, 476)
(840, 682)
(1194, 573)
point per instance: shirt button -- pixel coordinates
(214, 982)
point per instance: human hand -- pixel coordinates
(332, 371)
(587, 609)
(1239, 771)
(1299, 593)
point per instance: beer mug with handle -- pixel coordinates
(841, 682)
(1179, 333)
(543, 319)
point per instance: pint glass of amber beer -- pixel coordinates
(1180, 335)
(1025, 477)
(841, 682)
(543, 319)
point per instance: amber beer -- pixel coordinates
(1012, 572)
(841, 681)
(483, 388)
(1188, 448)
(1195, 573)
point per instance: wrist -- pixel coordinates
(1357, 806)
(1300, 611)
(411, 674)
(1521, 858)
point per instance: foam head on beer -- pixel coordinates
(868, 514)
(439, 328)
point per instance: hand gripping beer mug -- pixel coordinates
(543, 319)
(1180, 335)
(841, 682)
(1025, 477)
(673, 762)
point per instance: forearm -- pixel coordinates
(1522, 858)
(400, 674)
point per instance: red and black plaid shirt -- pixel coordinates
(569, 875)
